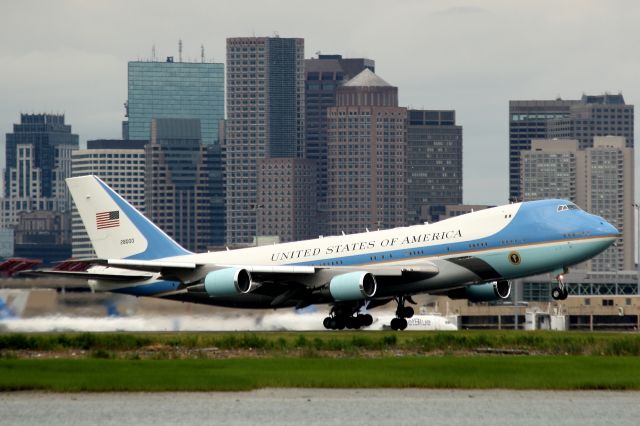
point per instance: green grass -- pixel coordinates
(278, 343)
(478, 372)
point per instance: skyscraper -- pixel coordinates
(323, 76)
(527, 121)
(121, 165)
(287, 198)
(594, 116)
(599, 179)
(174, 90)
(38, 159)
(434, 163)
(265, 119)
(178, 183)
(567, 119)
(366, 157)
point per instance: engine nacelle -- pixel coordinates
(228, 282)
(488, 292)
(353, 286)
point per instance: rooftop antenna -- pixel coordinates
(180, 50)
(153, 52)
(202, 53)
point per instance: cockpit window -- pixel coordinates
(567, 207)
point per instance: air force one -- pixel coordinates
(472, 256)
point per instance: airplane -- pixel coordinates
(472, 256)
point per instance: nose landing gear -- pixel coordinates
(560, 292)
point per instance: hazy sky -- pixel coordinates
(472, 56)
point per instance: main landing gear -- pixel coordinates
(402, 313)
(560, 292)
(345, 316)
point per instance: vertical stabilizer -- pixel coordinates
(116, 229)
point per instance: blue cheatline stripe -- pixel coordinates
(149, 289)
(159, 244)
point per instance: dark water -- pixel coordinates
(324, 407)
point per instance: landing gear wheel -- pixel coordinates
(327, 323)
(403, 323)
(351, 323)
(366, 320)
(396, 324)
(407, 312)
(561, 292)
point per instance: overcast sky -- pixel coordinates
(472, 56)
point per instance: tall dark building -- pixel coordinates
(323, 75)
(265, 119)
(434, 163)
(527, 121)
(603, 115)
(44, 135)
(179, 196)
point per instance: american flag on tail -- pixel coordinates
(108, 219)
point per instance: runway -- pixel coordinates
(324, 406)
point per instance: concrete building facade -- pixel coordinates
(366, 165)
(581, 120)
(323, 76)
(286, 202)
(599, 179)
(121, 165)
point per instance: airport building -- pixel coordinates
(121, 165)
(434, 163)
(581, 120)
(174, 89)
(265, 119)
(600, 179)
(179, 183)
(366, 157)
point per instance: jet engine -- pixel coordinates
(487, 292)
(352, 286)
(228, 282)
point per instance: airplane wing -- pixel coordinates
(87, 275)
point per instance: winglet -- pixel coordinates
(116, 229)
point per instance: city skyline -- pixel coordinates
(486, 54)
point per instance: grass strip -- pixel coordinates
(539, 342)
(479, 372)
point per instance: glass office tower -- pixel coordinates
(175, 90)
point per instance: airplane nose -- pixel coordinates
(605, 228)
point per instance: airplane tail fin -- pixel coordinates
(116, 229)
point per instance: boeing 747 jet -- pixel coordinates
(472, 256)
